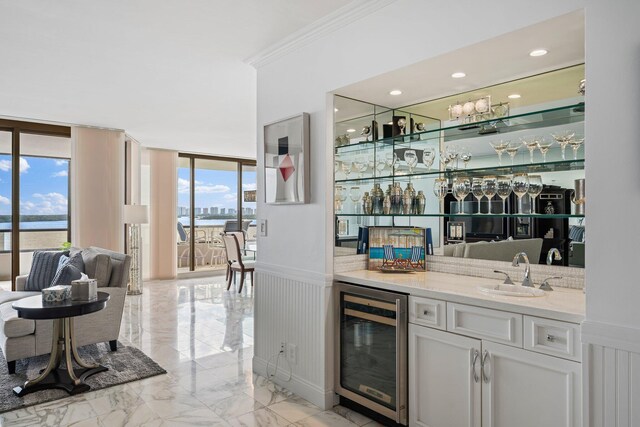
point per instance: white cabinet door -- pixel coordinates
(526, 389)
(444, 387)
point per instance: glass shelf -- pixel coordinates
(467, 215)
(532, 168)
(532, 120)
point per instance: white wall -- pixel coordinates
(299, 243)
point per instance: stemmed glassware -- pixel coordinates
(391, 159)
(543, 146)
(452, 153)
(380, 165)
(575, 145)
(499, 147)
(563, 138)
(346, 168)
(461, 189)
(428, 157)
(512, 150)
(535, 188)
(520, 186)
(489, 188)
(340, 197)
(411, 158)
(440, 187)
(361, 165)
(503, 189)
(465, 156)
(531, 143)
(476, 190)
(355, 195)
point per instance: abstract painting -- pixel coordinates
(286, 160)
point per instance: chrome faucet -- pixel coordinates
(553, 254)
(526, 280)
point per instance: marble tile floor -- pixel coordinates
(203, 336)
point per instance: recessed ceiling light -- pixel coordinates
(458, 75)
(335, 110)
(538, 52)
(514, 96)
(351, 130)
(395, 92)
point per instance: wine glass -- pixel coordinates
(444, 161)
(340, 196)
(440, 187)
(452, 153)
(535, 188)
(543, 146)
(411, 158)
(359, 164)
(575, 145)
(503, 189)
(371, 163)
(428, 157)
(391, 159)
(465, 156)
(563, 138)
(512, 150)
(355, 195)
(461, 189)
(499, 148)
(476, 190)
(520, 186)
(346, 168)
(380, 165)
(531, 143)
(489, 188)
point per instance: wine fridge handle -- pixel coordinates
(476, 355)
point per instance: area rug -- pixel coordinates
(125, 365)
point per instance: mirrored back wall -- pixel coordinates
(488, 172)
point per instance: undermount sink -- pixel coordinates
(511, 290)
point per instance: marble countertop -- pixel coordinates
(560, 304)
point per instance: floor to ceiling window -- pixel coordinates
(211, 193)
(34, 192)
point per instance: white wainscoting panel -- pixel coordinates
(611, 376)
(295, 307)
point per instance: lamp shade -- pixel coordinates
(136, 214)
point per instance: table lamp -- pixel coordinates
(134, 215)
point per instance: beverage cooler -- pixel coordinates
(371, 350)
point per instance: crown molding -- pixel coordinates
(347, 14)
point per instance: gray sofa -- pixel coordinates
(22, 338)
(503, 250)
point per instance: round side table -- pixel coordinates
(63, 344)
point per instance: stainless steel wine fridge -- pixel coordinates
(371, 349)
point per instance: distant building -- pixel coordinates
(186, 211)
(205, 211)
(232, 211)
(198, 211)
(222, 211)
(213, 210)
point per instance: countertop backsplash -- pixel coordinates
(571, 277)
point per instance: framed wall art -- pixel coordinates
(286, 160)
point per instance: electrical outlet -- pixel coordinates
(262, 227)
(292, 353)
(283, 348)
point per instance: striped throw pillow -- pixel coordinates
(44, 267)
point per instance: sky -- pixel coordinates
(214, 188)
(44, 185)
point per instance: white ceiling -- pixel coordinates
(489, 62)
(171, 72)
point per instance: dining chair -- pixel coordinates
(235, 262)
(184, 248)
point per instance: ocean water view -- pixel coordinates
(36, 225)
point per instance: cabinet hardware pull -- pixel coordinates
(551, 338)
(476, 354)
(425, 312)
(485, 359)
